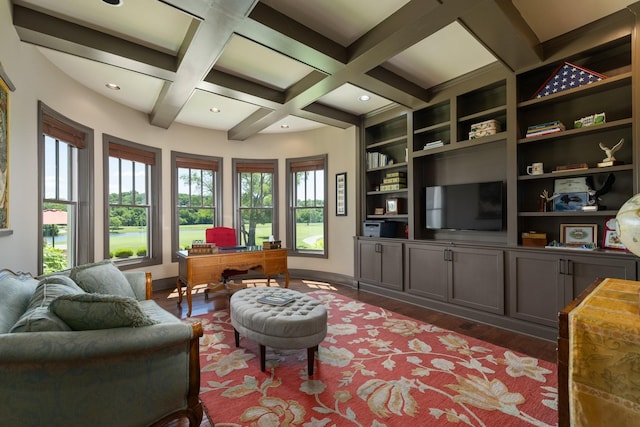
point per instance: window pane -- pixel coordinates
(193, 223)
(114, 180)
(319, 186)
(63, 171)
(140, 181)
(58, 233)
(128, 232)
(309, 231)
(50, 170)
(208, 179)
(126, 181)
(256, 226)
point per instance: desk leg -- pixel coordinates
(188, 292)
(179, 287)
(286, 279)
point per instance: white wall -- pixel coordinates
(36, 79)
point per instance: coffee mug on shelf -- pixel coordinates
(535, 169)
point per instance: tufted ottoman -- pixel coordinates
(301, 323)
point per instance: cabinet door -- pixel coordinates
(535, 287)
(582, 271)
(427, 271)
(391, 265)
(368, 262)
(477, 279)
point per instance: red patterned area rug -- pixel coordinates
(375, 368)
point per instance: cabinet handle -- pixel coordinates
(569, 267)
(560, 266)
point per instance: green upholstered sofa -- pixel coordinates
(98, 373)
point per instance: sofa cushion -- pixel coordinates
(103, 278)
(15, 293)
(100, 311)
(37, 317)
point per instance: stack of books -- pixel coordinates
(378, 160)
(394, 181)
(545, 128)
(433, 144)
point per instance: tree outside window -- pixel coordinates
(196, 190)
(307, 221)
(65, 156)
(133, 205)
(256, 200)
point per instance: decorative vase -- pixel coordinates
(628, 224)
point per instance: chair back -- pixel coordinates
(221, 236)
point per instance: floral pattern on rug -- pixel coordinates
(375, 368)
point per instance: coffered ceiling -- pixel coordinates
(288, 65)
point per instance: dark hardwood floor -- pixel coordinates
(534, 347)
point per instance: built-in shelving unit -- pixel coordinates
(491, 276)
(386, 159)
(575, 146)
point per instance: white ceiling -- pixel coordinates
(267, 72)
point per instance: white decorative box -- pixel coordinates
(486, 128)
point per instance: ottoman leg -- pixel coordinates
(236, 335)
(262, 358)
(311, 353)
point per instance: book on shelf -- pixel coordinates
(572, 167)
(391, 187)
(433, 144)
(545, 128)
(395, 180)
(378, 160)
(398, 174)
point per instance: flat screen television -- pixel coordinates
(474, 206)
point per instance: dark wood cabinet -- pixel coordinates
(466, 276)
(540, 284)
(380, 263)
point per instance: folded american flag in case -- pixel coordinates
(567, 76)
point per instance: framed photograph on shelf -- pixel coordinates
(610, 239)
(578, 234)
(392, 206)
(341, 194)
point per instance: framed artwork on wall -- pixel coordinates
(341, 194)
(5, 87)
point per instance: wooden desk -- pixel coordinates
(201, 269)
(598, 349)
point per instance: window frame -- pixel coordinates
(81, 137)
(291, 209)
(264, 164)
(176, 156)
(154, 197)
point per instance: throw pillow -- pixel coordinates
(102, 277)
(100, 311)
(15, 294)
(37, 317)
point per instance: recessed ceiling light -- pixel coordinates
(364, 98)
(284, 126)
(113, 2)
(214, 109)
(112, 86)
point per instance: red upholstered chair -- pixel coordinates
(223, 237)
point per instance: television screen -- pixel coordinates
(475, 206)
